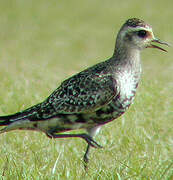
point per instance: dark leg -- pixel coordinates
(86, 137)
(92, 132)
(86, 157)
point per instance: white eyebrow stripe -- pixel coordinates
(137, 28)
(141, 28)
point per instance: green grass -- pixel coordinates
(42, 43)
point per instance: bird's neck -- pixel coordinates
(125, 55)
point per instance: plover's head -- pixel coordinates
(135, 33)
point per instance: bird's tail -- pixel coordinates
(26, 114)
(18, 120)
(5, 120)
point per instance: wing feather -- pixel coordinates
(84, 92)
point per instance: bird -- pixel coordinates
(93, 97)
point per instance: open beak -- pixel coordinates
(155, 46)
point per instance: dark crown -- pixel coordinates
(134, 22)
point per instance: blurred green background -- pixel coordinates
(42, 43)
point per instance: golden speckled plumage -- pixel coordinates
(94, 96)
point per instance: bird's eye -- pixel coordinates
(142, 33)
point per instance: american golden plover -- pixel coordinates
(93, 97)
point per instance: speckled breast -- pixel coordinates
(127, 85)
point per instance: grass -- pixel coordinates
(44, 42)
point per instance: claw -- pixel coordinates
(86, 137)
(85, 164)
(91, 142)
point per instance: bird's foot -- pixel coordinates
(84, 136)
(90, 141)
